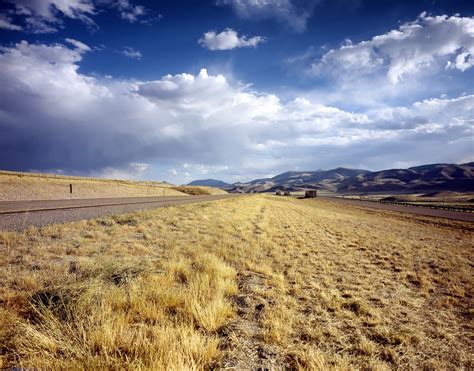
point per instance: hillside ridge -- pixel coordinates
(423, 178)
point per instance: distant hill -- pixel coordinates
(426, 178)
(209, 183)
(299, 180)
(435, 177)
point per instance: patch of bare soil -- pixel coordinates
(243, 343)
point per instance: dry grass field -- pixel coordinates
(199, 190)
(257, 281)
(16, 186)
(443, 198)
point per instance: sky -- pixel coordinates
(234, 89)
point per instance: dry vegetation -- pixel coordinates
(15, 186)
(447, 198)
(199, 190)
(258, 281)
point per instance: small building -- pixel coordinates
(287, 193)
(278, 193)
(310, 194)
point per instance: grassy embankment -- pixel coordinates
(246, 282)
(199, 190)
(15, 186)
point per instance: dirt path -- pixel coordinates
(244, 338)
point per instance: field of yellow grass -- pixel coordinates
(254, 281)
(443, 198)
(17, 186)
(199, 190)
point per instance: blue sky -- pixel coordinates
(233, 89)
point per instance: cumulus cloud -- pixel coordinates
(415, 46)
(429, 115)
(228, 39)
(54, 117)
(131, 53)
(463, 61)
(293, 13)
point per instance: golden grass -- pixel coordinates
(16, 186)
(258, 281)
(446, 197)
(199, 190)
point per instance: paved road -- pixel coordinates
(17, 215)
(455, 215)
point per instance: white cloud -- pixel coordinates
(79, 45)
(43, 16)
(228, 39)
(426, 115)
(131, 53)
(46, 16)
(43, 56)
(49, 9)
(54, 117)
(6, 23)
(295, 14)
(412, 48)
(204, 169)
(38, 25)
(129, 11)
(133, 170)
(462, 62)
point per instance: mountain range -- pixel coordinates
(209, 183)
(418, 179)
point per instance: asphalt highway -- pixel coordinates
(18, 215)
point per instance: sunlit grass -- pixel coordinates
(248, 282)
